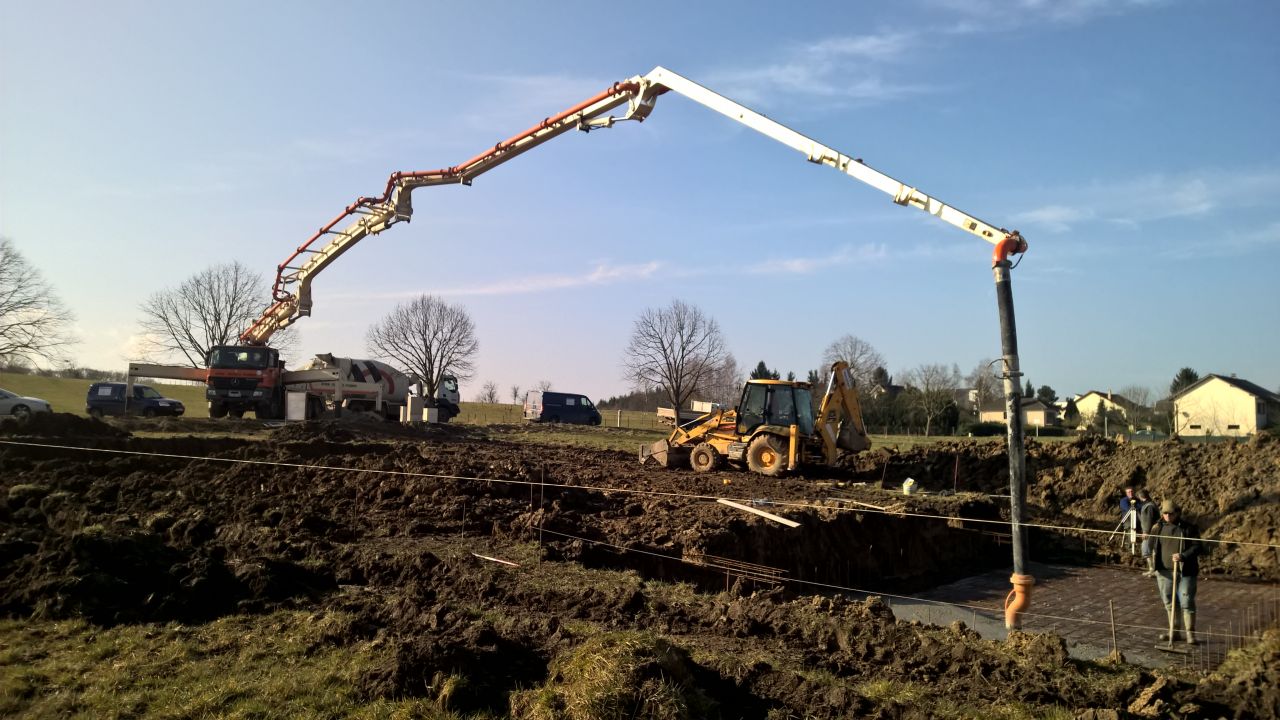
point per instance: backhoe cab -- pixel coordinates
(773, 430)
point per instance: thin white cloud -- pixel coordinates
(1228, 244)
(804, 265)
(602, 274)
(1054, 218)
(844, 69)
(986, 15)
(1137, 201)
(864, 68)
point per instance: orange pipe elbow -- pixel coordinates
(1018, 600)
(1012, 244)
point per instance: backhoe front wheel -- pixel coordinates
(765, 455)
(704, 458)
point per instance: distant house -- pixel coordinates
(1217, 406)
(1035, 413)
(888, 392)
(966, 400)
(1087, 406)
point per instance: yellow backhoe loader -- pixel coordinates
(773, 430)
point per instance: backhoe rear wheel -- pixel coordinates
(765, 455)
(704, 458)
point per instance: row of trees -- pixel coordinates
(677, 351)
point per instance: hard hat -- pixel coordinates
(1168, 506)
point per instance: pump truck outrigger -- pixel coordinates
(773, 430)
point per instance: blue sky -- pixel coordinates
(1133, 144)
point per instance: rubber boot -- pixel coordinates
(1189, 624)
(1151, 567)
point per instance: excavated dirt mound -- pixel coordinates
(1230, 489)
(383, 524)
(58, 425)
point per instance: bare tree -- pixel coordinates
(1137, 394)
(207, 309)
(543, 385)
(1141, 414)
(933, 390)
(863, 359)
(515, 394)
(429, 338)
(677, 348)
(488, 393)
(985, 381)
(34, 325)
(724, 385)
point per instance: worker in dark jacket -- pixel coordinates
(1148, 516)
(1177, 544)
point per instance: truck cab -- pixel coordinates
(244, 377)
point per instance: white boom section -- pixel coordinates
(816, 152)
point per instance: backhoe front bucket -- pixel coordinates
(664, 454)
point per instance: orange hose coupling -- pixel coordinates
(1018, 600)
(1012, 244)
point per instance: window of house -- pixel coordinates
(1233, 427)
(1195, 427)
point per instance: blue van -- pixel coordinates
(558, 407)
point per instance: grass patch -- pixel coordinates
(241, 666)
(617, 675)
(68, 395)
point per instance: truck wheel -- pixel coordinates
(704, 458)
(95, 413)
(235, 413)
(149, 413)
(766, 456)
(217, 410)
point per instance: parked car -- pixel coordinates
(17, 405)
(558, 407)
(107, 398)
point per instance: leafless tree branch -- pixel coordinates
(34, 324)
(207, 309)
(428, 338)
(863, 359)
(932, 389)
(677, 348)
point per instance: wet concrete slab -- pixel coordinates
(1078, 603)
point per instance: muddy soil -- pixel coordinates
(369, 519)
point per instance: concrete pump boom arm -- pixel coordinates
(291, 292)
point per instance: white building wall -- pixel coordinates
(1218, 409)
